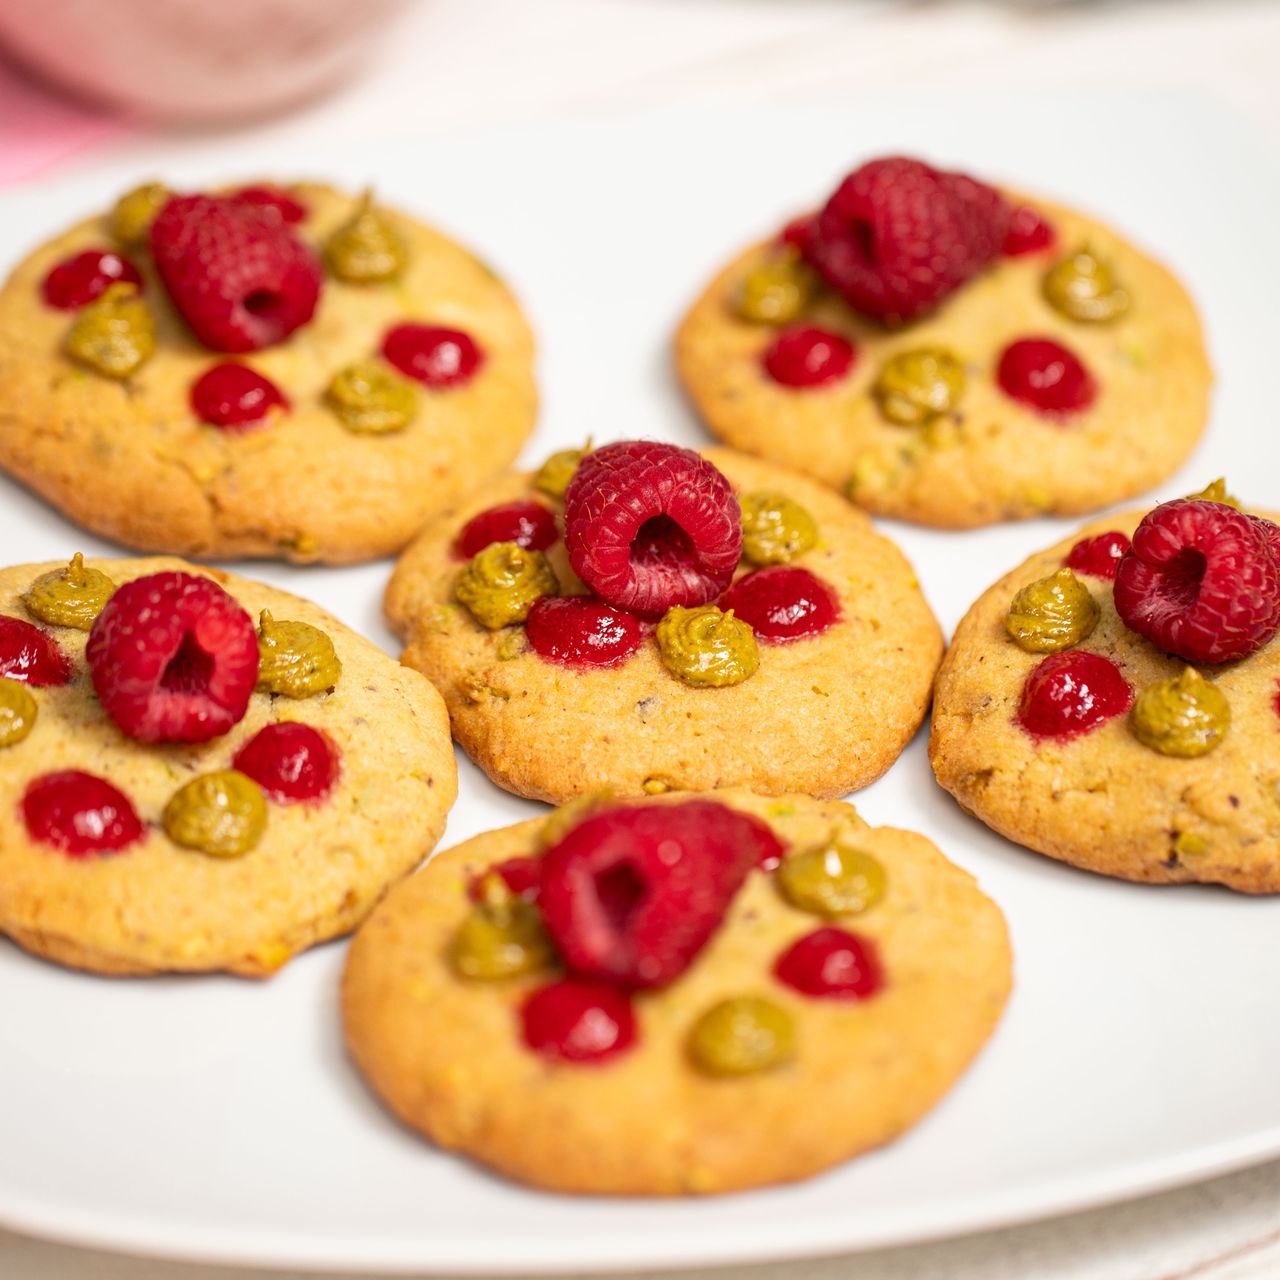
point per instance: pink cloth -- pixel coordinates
(39, 129)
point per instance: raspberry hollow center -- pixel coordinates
(189, 670)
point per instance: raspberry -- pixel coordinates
(833, 963)
(632, 894)
(577, 631)
(239, 277)
(438, 358)
(898, 236)
(79, 814)
(233, 395)
(1071, 693)
(1099, 556)
(1046, 377)
(174, 658)
(808, 357)
(580, 1022)
(528, 524)
(29, 655)
(290, 762)
(1269, 532)
(1028, 233)
(522, 876)
(1201, 581)
(272, 202)
(796, 233)
(650, 525)
(782, 603)
(78, 281)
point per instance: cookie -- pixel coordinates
(278, 431)
(676, 1071)
(1102, 748)
(178, 819)
(815, 684)
(929, 419)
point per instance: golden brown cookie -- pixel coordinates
(250, 888)
(1129, 796)
(982, 456)
(706, 1097)
(130, 459)
(823, 715)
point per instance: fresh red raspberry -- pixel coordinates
(1045, 376)
(438, 358)
(650, 525)
(1028, 232)
(580, 1022)
(833, 963)
(290, 761)
(80, 814)
(528, 524)
(808, 357)
(783, 603)
(898, 236)
(1071, 693)
(1269, 532)
(1100, 555)
(79, 280)
(579, 631)
(233, 395)
(174, 658)
(1201, 581)
(796, 232)
(239, 277)
(522, 876)
(273, 202)
(633, 893)
(29, 655)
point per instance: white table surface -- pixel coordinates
(451, 62)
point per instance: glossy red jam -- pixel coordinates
(233, 395)
(1071, 693)
(808, 357)
(1045, 376)
(796, 232)
(522, 876)
(1098, 556)
(832, 963)
(581, 1022)
(528, 524)
(581, 631)
(291, 762)
(77, 281)
(1028, 232)
(80, 814)
(30, 655)
(782, 603)
(274, 202)
(438, 358)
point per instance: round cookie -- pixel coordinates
(446, 1054)
(989, 457)
(822, 715)
(1103, 800)
(318, 867)
(130, 460)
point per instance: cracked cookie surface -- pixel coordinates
(131, 461)
(317, 869)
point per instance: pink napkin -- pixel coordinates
(39, 129)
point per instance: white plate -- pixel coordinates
(219, 1120)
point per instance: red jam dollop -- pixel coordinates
(77, 281)
(522, 876)
(80, 814)
(1029, 232)
(233, 395)
(528, 524)
(808, 357)
(1099, 556)
(581, 631)
(1070, 693)
(438, 358)
(831, 963)
(1045, 376)
(274, 202)
(581, 1022)
(29, 655)
(782, 603)
(796, 232)
(291, 762)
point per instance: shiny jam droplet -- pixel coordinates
(79, 813)
(1099, 556)
(782, 603)
(808, 357)
(580, 631)
(528, 524)
(1045, 376)
(1028, 232)
(832, 963)
(233, 395)
(438, 358)
(1071, 693)
(578, 1022)
(29, 655)
(290, 761)
(77, 281)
